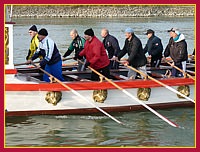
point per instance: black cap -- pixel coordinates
(149, 31)
(89, 32)
(43, 32)
(33, 28)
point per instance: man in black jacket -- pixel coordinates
(154, 48)
(111, 44)
(177, 50)
(133, 47)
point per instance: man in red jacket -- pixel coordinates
(96, 55)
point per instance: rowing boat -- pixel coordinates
(26, 94)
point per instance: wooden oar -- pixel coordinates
(65, 59)
(70, 64)
(190, 71)
(18, 64)
(162, 84)
(185, 73)
(39, 62)
(79, 95)
(133, 97)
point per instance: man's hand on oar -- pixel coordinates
(177, 68)
(35, 64)
(125, 62)
(29, 62)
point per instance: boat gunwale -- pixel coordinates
(95, 85)
(86, 111)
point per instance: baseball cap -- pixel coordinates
(149, 31)
(175, 30)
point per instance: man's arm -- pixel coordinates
(156, 47)
(115, 45)
(167, 49)
(69, 50)
(134, 50)
(182, 52)
(36, 54)
(122, 52)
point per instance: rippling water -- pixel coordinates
(142, 127)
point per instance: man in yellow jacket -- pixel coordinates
(34, 42)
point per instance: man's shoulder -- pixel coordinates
(35, 39)
(136, 39)
(95, 39)
(49, 40)
(156, 39)
(112, 38)
(80, 38)
(182, 42)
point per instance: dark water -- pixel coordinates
(142, 127)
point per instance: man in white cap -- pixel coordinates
(137, 58)
(177, 50)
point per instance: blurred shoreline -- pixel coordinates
(102, 11)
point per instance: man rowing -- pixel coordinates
(76, 45)
(34, 42)
(51, 56)
(154, 48)
(177, 50)
(137, 58)
(111, 44)
(96, 55)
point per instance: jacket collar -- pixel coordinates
(77, 37)
(151, 37)
(92, 39)
(44, 39)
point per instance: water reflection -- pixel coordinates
(14, 121)
(145, 135)
(143, 129)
